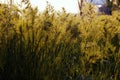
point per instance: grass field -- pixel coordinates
(58, 46)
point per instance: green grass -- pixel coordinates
(59, 46)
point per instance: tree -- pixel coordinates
(113, 4)
(116, 2)
(89, 6)
(80, 3)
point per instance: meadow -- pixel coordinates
(54, 45)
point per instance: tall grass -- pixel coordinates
(59, 46)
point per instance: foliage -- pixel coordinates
(58, 45)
